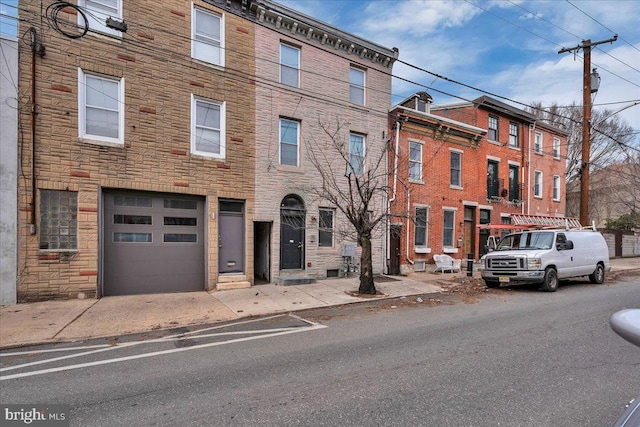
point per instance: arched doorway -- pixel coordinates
(292, 226)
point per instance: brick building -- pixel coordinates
(488, 160)
(310, 74)
(137, 164)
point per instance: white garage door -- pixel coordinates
(153, 243)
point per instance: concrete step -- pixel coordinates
(221, 286)
(289, 280)
(226, 278)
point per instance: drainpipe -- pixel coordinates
(532, 129)
(395, 180)
(408, 221)
(32, 224)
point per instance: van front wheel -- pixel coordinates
(597, 276)
(550, 283)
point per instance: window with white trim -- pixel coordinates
(493, 128)
(356, 153)
(207, 127)
(356, 85)
(97, 12)
(455, 174)
(100, 107)
(289, 142)
(420, 232)
(537, 184)
(325, 227)
(448, 230)
(537, 142)
(556, 187)
(513, 135)
(556, 148)
(207, 36)
(415, 161)
(289, 65)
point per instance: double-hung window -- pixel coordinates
(420, 233)
(447, 235)
(325, 227)
(455, 170)
(493, 183)
(97, 12)
(537, 143)
(101, 107)
(356, 153)
(207, 36)
(537, 184)
(493, 128)
(356, 85)
(207, 128)
(556, 148)
(415, 161)
(289, 65)
(289, 142)
(513, 135)
(556, 187)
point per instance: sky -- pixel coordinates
(506, 47)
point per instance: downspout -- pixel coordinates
(32, 224)
(408, 220)
(395, 182)
(528, 186)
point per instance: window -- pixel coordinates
(556, 187)
(356, 86)
(493, 183)
(97, 12)
(207, 36)
(207, 128)
(289, 136)
(58, 220)
(513, 135)
(101, 107)
(493, 128)
(537, 184)
(356, 153)
(421, 105)
(325, 228)
(514, 186)
(537, 144)
(556, 148)
(447, 237)
(455, 178)
(415, 161)
(289, 65)
(420, 233)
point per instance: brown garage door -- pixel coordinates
(153, 243)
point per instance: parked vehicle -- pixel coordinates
(545, 257)
(626, 323)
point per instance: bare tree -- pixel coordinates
(356, 184)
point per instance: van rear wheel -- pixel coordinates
(597, 277)
(550, 283)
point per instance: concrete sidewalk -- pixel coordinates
(60, 321)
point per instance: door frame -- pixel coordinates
(293, 206)
(242, 233)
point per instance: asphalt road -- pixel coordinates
(517, 357)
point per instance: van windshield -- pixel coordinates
(525, 241)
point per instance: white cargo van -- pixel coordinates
(545, 257)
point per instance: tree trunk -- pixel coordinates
(366, 268)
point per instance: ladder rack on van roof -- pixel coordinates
(539, 221)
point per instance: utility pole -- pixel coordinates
(587, 90)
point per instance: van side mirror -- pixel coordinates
(568, 245)
(487, 249)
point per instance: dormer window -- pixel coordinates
(421, 105)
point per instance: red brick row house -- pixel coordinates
(462, 168)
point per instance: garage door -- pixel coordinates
(153, 243)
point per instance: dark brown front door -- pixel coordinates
(394, 250)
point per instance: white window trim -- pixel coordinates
(452, 186)
(223, 140)
(364, 150)
(297, 165)
(363, 87)
(422, 249)
(82, 120)
(94, 24)
(280, 64)
(556, 177)
(535, 173)
(538, 137)
(421, 144)
(193, 35)
(556, 143)
(451, 248)
(517, 135)
(497, 129)
(495, 159)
